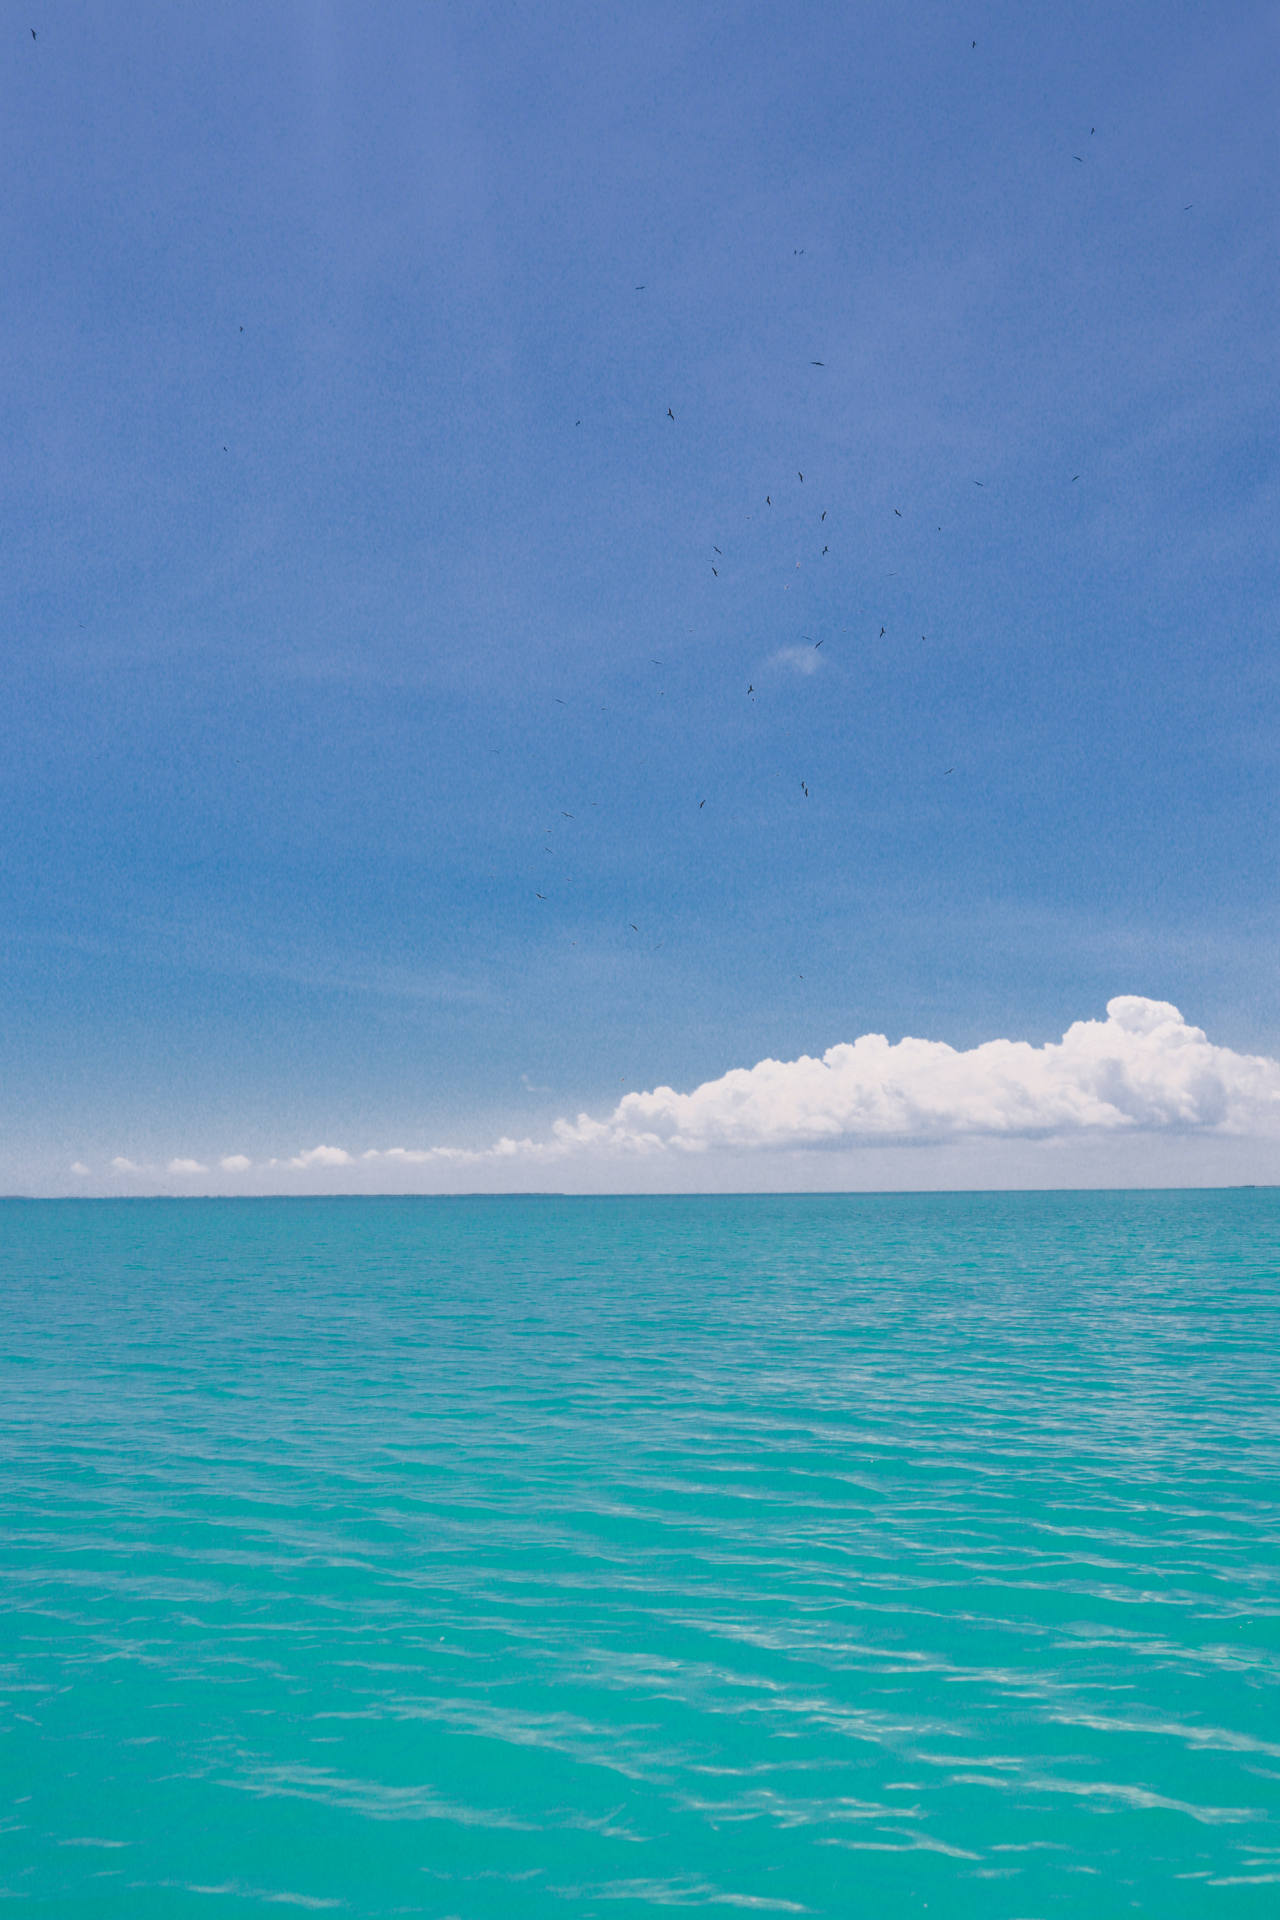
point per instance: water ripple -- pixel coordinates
(803, 1556)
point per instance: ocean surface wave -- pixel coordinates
(808, 1555)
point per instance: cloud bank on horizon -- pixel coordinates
(1142, 1069)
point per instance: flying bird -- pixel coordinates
(826, 549)
(817, 363)
(823, 514)
(716, 572)
(670, 415)
(896, 511)
(540, 896)
(702, 803)
(768, 500)
(716, 549)
(801, 476)
(805, 790)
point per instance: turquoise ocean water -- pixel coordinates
(835, 1556)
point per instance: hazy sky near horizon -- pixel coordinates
(435, 703)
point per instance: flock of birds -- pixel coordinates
(751, 688)
(718, 555)
(716, 560)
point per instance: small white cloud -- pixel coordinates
(322, 1157)
(186, 1166)
(78, 1166)
(422, 1156)
(799, 659)
(121, 1165)
(235, 1163)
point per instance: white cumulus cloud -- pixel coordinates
(1142, 1070)
(1142, 1067)
(322, 1157)
(235, 1163)
(121, 1165)
(187, 1166)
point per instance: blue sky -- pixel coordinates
(359, 583)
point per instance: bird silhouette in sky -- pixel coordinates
(718, 553)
